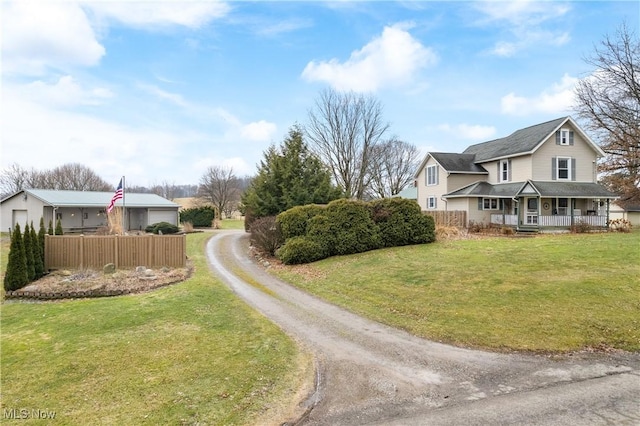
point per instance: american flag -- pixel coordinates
(118, 195)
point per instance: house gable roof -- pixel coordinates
(95, 199)
(485, 189)
(519, 142)
(458, 163)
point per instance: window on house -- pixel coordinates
(563, 206)
(432, 175)
(432, 202)
(490, 204)
(504, 171)
(564, 137)
(563, 168)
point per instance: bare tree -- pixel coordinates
(608, 101)
(393, 166)
(72, 176)
(220, 186)
(343, 129)
(165, 189)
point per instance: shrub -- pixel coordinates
(401, 222)
(266, 235)
(620, 225)
(58, 230)
(38, 257)
(28, 253)
(15, 276)
(476, 227)
(300, 250)
(162, 228)
(294, 222)
(200, 217)
(581, 228)
(352, 227)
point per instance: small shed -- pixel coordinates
(83, 211)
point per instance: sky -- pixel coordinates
(159, 91)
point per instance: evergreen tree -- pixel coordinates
(38, 262)
(288, 177)
(50, 230)
(41, 236)
(58, 227)
(28, 253)
(15, 276)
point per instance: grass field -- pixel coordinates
(549, 293)
(191, 353)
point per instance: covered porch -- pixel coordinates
(559, 205)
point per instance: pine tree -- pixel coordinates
(38, 263)
(50, 231)
(58, 227)
(41, 236)
(288, 177)
(28, 253)
(15, 276)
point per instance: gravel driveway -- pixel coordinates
(368, 373)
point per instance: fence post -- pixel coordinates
(115, 251)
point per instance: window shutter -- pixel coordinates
(435, 202)
(553, 168)
(426, 175)
(558, 137)
(573, 169)
(571, 137)
(509, 171)
(499, 171)
(479, 203)
(437, 173)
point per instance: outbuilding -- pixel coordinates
(83, 211)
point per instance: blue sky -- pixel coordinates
(158, 91)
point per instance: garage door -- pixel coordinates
(156, 216)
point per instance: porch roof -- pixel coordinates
(545, 189)
(485, 189)
(572, 190)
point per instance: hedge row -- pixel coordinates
(199, 217)
(315, 232)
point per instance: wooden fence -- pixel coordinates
(457, 218)
(95, 251)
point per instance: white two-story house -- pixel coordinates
(543, 176)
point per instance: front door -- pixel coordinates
(531, 211)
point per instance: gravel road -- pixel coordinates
(371, 374)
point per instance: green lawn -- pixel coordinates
(232, 224)
(548, 293)
(191, 353)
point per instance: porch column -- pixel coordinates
(606, 225)
(572, 206)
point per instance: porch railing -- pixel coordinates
(560, 221)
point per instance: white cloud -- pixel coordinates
(468, 131)
(39, 35)
(65, 92)
(152, 13)
(559, 98)
(174, 98)
(391, 59)
(259, 131)
(525, 20)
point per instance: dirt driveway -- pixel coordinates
(368, 373)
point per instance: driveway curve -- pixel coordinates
(369, 373)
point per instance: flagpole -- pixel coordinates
(124, 210)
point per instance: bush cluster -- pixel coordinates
(26, 257)
(199, 217)
(346, 226)
(162, 228)
(620, 225)
(266, 235)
